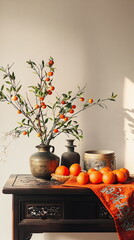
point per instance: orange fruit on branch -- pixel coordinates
(47, 79)
(14, 98)
(62, 116)
(83, 178)
(65, 119)
(62, 170)
(38, 134)
(73, 106)
(90, 100)
(52, 88)
(49, 92)
(44, 106)
(63, 102)
(36, 106)
(19, 112)
(82, 99)
(75, 169)
(71, 110)
(24, 133)
(51, 62)
(41, 98)
(55, 130)
(50, 74)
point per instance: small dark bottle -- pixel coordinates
(70, 157)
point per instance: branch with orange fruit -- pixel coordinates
(47, 119)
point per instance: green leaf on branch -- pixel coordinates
(2, 87)
(12, 76)
(30, 130)
(69, 122)
(85, 105)
(69, 105)
(5, 76)
(17, 90)
(46, 120)
(8, 82)
(49, 106)
(20, 123)
(2, 69)
(101, 105)
(112, 99)
(70, 92)
(43, 64)
(64, 95)
(8, 90)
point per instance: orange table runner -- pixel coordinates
(118, 200)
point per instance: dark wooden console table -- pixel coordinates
(46, 206)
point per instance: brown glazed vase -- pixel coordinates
(43, 162)
(70, 157)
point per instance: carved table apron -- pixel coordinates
(46, 206)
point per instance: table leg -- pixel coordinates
(25, 236)
(15, 211)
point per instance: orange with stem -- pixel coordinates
(55, 130)
(65, 119)
(47, 79)
(14, 98)
(90, 100)
(19, 112)
(52, 88)
(50, 74)
(24, 133)
(71, 110)
(51, 62)
(82, 99)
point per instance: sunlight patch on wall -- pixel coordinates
(128, 106)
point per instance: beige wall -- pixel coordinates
(92, 42)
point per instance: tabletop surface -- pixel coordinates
(28, 184)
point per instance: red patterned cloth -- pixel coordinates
(118, 200)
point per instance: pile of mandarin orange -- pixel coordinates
(104, 175)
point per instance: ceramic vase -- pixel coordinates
(44, 162)
(70, 157)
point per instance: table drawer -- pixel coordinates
(42, 210)
(75, 207)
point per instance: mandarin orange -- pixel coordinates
(62, 170)
(105, 169)
(120, 176)
(125, 170)
(108, 177)
(95, 177)
(91, 170)
(75, 169)
(83, 178)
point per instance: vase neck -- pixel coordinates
(70, 148)
(45, 148)
(70, 142)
